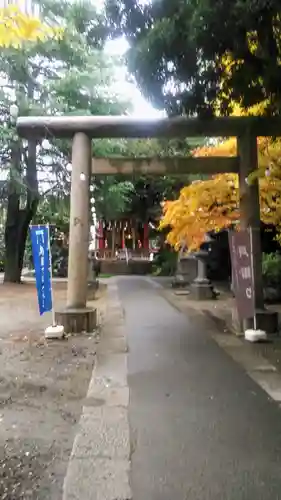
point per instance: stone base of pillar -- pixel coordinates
(179, 281)
(266, 320)
(93, 288)
(77, 320)
(186, 272)
(236, 323)
(202, 291)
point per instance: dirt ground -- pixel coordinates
(42, 386)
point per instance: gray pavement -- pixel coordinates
(200, 427)
(99, 465)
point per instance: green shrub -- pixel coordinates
(165, 262)
(271, 270)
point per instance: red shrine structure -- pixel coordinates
(121, 234)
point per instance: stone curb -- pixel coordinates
(99, 464)
(256, 366)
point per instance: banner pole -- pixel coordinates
(51, 276)
(127, 257)
(253, 276)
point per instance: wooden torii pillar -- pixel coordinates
(266, 320)
(77, 317)
(81, 129)
(79, 224)
(250, 205)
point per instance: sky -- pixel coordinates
(141, 108)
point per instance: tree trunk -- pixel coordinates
(18, 219)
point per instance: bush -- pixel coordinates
(271, 270)
(165, 262)
(59, 248)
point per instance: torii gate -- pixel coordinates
(82, 129)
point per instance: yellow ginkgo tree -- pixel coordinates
(213, 204)
(17, 27)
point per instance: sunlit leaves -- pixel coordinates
(213, 205)
(202, 206)
(17, 27)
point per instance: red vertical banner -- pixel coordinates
(101, 236)
(123, 235)
(145, 236)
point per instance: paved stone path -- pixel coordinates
(201, 429)
(99, 465)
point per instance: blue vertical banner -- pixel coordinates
(42, 265)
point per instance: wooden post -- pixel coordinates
(145, 236)
(113, 240)
(79, 222)
(101, 236)
(123, 236)
(250, 207)
(266, 320)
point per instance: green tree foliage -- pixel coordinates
(111, 197)
(72, 75)
(141, 196)
(76, 76)
(194, 56)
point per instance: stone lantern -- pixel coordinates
(202, 288)
(186, 270)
